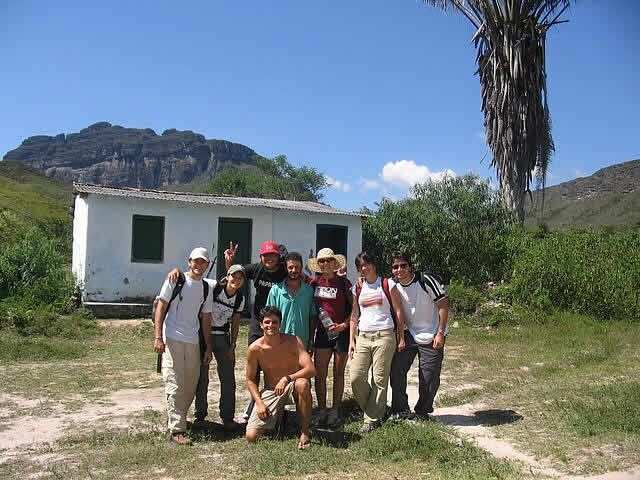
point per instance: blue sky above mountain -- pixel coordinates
(375, 94)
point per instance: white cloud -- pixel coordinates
(338, 184)
(407, 173)
(367, 184)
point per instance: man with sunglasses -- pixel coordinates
(426, 309)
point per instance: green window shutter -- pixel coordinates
(147, 243)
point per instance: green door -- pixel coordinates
(236, 230)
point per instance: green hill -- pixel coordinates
(611, 196)
(29, 198)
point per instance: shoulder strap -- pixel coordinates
(177, 289)
(238, 301)
(205, 294)
(217, 290)
(420, 276)
(258, 275)
(387, 292)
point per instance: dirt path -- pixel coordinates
(24, 435)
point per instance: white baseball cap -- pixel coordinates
(199, 252)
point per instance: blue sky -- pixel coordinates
(374, 94)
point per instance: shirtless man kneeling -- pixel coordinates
(287, 369)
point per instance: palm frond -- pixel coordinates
(510, 40)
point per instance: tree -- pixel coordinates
(457, 227)
(273, 178)
(510, 41)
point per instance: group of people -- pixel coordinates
(299, 323)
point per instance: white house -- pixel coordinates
(125, 240)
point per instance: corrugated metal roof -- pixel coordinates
(201, 198)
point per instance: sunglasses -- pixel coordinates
(400, 265)
(325, 260)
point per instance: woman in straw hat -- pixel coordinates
(332, 294)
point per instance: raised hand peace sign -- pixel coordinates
(230, 254)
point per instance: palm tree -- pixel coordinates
(510, 42)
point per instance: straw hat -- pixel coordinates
(340, 260)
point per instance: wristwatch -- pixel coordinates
(444, 333)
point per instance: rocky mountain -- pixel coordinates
(114, 155)
(611, 196)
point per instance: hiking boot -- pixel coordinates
(333, 418)
(230, 425)
(368, 427)
(180, 438)
(424, 416)
(319, 418)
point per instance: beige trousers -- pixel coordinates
(374, 351)
(180, 372)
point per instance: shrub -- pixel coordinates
(585, 271)
(464, 299)
(457, 227)
(33, 267)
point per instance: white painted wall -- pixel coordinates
(79, 251)
(297, 230)
(102, 240)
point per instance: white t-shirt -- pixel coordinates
(420, 309)
(375, 312)
(222, 306)
(181, 322)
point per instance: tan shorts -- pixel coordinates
(275, 404)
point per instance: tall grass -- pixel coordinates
(585, 271)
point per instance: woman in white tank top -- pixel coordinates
(376, 340)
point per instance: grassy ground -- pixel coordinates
(570, 382)
(572, 379)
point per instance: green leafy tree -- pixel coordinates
(457, 227)
(510, 41)
(273, 178)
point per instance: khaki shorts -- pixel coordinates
(275, 404)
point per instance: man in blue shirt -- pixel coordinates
(294, 298)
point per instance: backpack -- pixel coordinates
(424, 281)
(217, 290)
(387, 292)
(176, 292)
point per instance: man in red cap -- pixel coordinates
(269, 271)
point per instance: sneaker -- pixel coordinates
(199, 422)
(180, 438)
(400, 416)
(368, 427)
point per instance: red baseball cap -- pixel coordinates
(269, 247)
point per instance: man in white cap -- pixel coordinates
(183, 310)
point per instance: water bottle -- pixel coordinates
(325, 318)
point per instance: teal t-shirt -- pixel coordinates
(296, 310)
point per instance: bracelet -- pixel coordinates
(158, 338)
(288, 378)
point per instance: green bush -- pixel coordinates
(33, 267)
(464, 299)
(37, 290)
(586, 271)
(457, 227)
